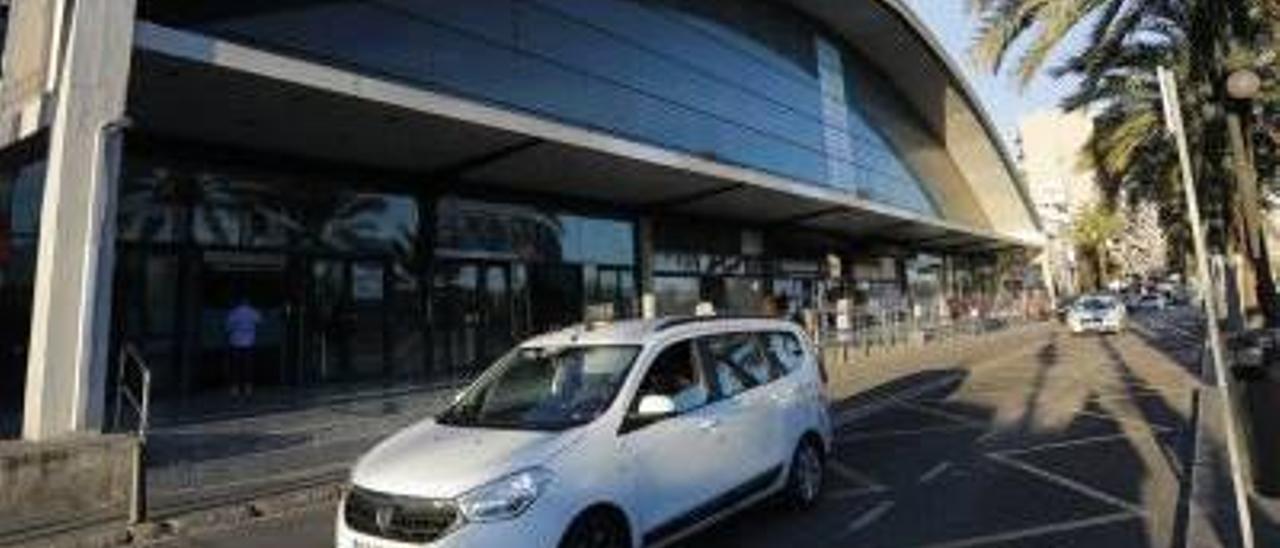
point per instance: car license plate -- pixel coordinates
(365, 543)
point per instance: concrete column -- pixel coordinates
(644, 238)
(66, 370)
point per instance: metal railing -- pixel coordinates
(899, 330)
(133, 388)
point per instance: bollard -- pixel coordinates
(138, 489)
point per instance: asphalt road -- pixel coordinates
(1048, 440)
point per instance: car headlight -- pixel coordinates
(505, 498)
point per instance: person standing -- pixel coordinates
(241, 326)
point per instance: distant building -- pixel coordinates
(1059, 183)
(1062, 185)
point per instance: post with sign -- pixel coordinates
(1173, 122)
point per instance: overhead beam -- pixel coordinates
(457, 169)
(693, 197)
(808, 216)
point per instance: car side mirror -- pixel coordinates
(653, 407)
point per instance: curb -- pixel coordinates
(198, 522)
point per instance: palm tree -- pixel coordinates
(1129, 150)
(1092, 231)
(1200, 40)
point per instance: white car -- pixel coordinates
(629, 434)
(1097, 313)
(1150, 301)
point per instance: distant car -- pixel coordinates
(1097, 314)
(1064, 308)
(1150, 301)
(623, 435)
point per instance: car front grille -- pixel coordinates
(403, 519)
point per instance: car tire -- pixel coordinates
(805, 476)
(597, 529)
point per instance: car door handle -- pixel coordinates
(709, 424)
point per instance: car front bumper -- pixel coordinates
(541, 525)
(1097, 326)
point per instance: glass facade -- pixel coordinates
(356, 278)
(21, 195)
(733, 269)
(331, 265)
(734, 80)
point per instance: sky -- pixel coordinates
(1002, 96)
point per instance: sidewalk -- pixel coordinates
(237, 460)
(264, 448)
(1213, 518)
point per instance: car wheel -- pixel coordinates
(597, 529)
(804, 479)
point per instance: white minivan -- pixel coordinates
(627, 434)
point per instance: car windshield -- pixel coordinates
(544, 388)
(1095, 304)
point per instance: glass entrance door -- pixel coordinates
(477, 313)
(345, 320)
(556, 296)
(229, 281)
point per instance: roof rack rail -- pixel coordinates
(676, 321)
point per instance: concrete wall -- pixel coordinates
(922, 152)
(70, 479)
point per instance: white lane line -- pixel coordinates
(849, 474)
(1069, 484)
(869, 517)
(870, 408)
(934, 472)
(1060, 444)
(943, 414)
(1036, 531)
(855, 437)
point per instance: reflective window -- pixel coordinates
(162, 203)
(470, 228)
(544, 388)
(736, 363)
(21, 195)
(675, 374)
(676, 296)
(736, 80)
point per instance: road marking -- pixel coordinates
(1059, 444)
(880, 434)
(934, 472)
(869, 517)
(1068, 483)
(880, 404)
(845, 471)
(1036, 531)
(943, 414)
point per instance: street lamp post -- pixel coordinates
(1173, 120)
(1242, 87)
